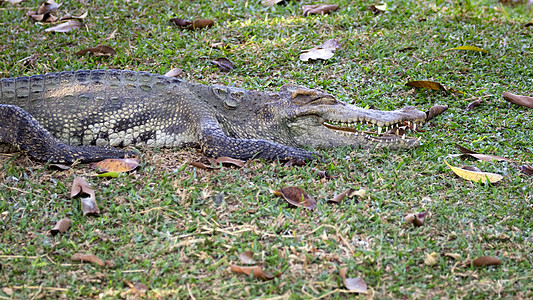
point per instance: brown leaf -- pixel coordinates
(62, 226)
(416, 219)
(453, 255)
(340, 197)
(80, 187)
(137, 288)
(432, 85)
(295, 162)
(474, 104)
(479, 156)
(65, 27)
(319, 9)
(48, 17)
(100, 50)
(69, 16)
(484, 261)
(517, 99)
(526, 169)
(435, 110)
(247, 258)
(224, 64)
(181, 22)
(88, 258)
(59, 167)
(48, 7)
(356, 285)
(116, 165)
(202, 23)
(296, 196)
(174, 72)
(88, 204)
(257, 271)
(232, 161)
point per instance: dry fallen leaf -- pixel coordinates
(453, 255)
(356, 285)
(229, 160)
(483, 157)
(61, 227)
(348, 193)
(474, 103)
(174, 72)
(181, 22)
(202, 23)
(201, 165)
(318, 9)
(526, 169)
(468, 48)
(484, 261)
(88, 204)
(88, 258)
(431, 259)
(416, 219)
(377, 9)
(116, 165)
(271, 2)
(324, 51)
(426, 84)
(223, 64)
(65, 27)
(100, 50)
(296, 196)
(247, 258)
(435, 110)
(517, 99)
(12, 1)
(257, 271)
(475, 176)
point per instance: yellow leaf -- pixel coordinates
(469, 48)
(475, 176)
(432, 85)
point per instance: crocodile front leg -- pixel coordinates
(215, 143)
(19, 129)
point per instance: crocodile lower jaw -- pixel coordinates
(395, 133)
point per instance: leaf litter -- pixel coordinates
(324, 51)
(81, 188)
(475, 176)
(61, 227)
(100, 50)
(356, 285)
(296, 197)
(257, 272)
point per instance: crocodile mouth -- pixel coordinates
(382, 134)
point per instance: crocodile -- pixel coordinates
(85, 115)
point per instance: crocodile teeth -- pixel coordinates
(403, 136)
(379, 129)
(414, 126)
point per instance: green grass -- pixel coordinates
(177, 229)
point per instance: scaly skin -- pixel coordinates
(70, 116)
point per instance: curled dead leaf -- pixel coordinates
(356, 285)
(65, 27)
(180, 22)
(453, 255)
(474, 104)
(483, 157)
(416, 219)
(348, 193)
(526, 169)
(174, 72)
(80, 187)
(484, 261)
(431, 259)
(229, 160)
(116, 165)
(318, 9)
(518, 99)
(377, 9)
(202, 165)
(296, 196)
(223, 64)
(88, 258)
(435, 110)
(100, 50)
(61, 227)
(247, 258)
(257, 271)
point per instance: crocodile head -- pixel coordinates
(317, 119)
(299, 116)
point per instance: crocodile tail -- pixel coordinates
(21, 130)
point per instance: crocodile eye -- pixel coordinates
(328, 100)
(221, 93)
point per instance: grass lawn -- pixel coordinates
(172, 230)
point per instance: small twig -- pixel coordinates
(190, 293)
(39, 287)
